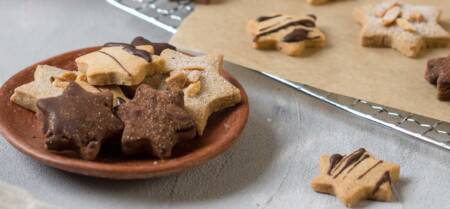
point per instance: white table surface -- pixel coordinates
(269, 167)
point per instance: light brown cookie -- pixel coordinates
(404, 27)
(355, 177)
(206, 91)
(289, 34)
(119, 65)
(50, 81)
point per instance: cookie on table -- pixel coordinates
(355, 177)
(205, 90)
(438, 73)
(50, 81)
(155, 121)
(289, 34)
(121, 63)
(404, 27)
(78, 121)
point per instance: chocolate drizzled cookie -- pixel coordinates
(438, 73)
(155, 121)
(78, 120)
(355, 177)
(289, 34)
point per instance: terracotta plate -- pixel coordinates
(21, 128)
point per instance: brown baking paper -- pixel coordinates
(343, 66)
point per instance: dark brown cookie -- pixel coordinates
(438, 73)
(155, 121)
(78, 120)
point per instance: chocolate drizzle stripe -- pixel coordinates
(352, 158)
(385, 178)
(132, 50)
(357, 163)
(334, 160)
(117, 61)
(265, 18)
(340, 162)
(303, 22)
(268, 27)
(368, 170)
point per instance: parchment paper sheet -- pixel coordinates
(343, 66)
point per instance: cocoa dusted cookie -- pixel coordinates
(438, 73)
(155, 121)
(78, 121)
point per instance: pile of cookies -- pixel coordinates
(404, 27)
(146, 95)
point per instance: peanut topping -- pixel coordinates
(194, 89)
(407, 26)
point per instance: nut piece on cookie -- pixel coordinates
(404, 27)
(78, 121)
(289, 34)
(438, 73)
(355, 177)
(155, 121)
(50, 82)
(215, 92)
(121, 63)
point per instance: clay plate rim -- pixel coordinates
(115, 170)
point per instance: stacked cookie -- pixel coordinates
(146, 94)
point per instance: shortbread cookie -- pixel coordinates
(50, 82)
(206, 91)
(356, 177)
(78, 121)
(155, 121)
(438, 73)
(121, 63)
(289, 34)
(404, 27)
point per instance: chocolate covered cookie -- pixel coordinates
(78, 121)
(155, 121)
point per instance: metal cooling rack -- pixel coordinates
(168, 15)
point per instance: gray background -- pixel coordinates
(269, 167)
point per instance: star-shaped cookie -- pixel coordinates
(355, 177)
(50, 81)
(155, 121)
(404, 27)
(122, 63)
(438, 73)
(289, 34)
(212, 93)
(78, 120)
